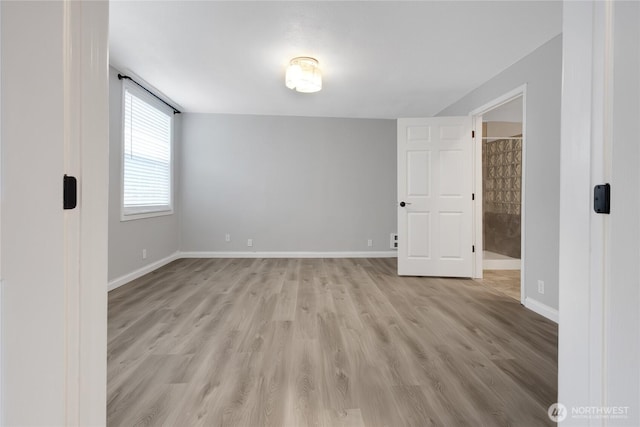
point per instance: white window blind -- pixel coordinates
(146, 156)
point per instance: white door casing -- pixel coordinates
(519, 92)
(435, 183)
(89, 111)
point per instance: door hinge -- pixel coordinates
(473, 248)
(69, 192)
(473, 134)
(602, 199)
(473, 196)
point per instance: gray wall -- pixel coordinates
(288, 183)
(541, 71)
(159, 235)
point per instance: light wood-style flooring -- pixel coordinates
(505, 281)
(323, 342)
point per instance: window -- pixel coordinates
(146, 161)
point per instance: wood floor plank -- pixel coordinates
(337, 377)
(347, 418)
(287, 299)
(323, 342)
(303, 404)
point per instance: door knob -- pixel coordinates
(403, 204)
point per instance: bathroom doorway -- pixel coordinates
(501, 201)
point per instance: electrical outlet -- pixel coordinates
(370, 242)
(540, 287)
(144, 254)
(393, 241)
(227, 237)
(250, 242)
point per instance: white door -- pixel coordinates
(435, 204)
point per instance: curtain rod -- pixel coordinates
(175, 110)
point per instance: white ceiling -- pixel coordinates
(379, 59)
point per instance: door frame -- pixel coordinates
(1, 271)
(586, 145)
(518, 92)
(86, 102)
(77, 394)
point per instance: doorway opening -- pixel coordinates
(500, 185)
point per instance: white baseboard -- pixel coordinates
(371, 254)
(123, 280)
(501, 264)
(541, 309)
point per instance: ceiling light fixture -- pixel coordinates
(304, 75)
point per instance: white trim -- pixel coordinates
(86, 106)
(523, 196)
(478, 237)
(601, 147)
(377, 254)
(520, 91)
(73, 123)
(132, 216)
(542, 309)
(501, 100)
(1, 280)
(123, 280)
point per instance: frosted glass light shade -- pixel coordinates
(303, 75)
